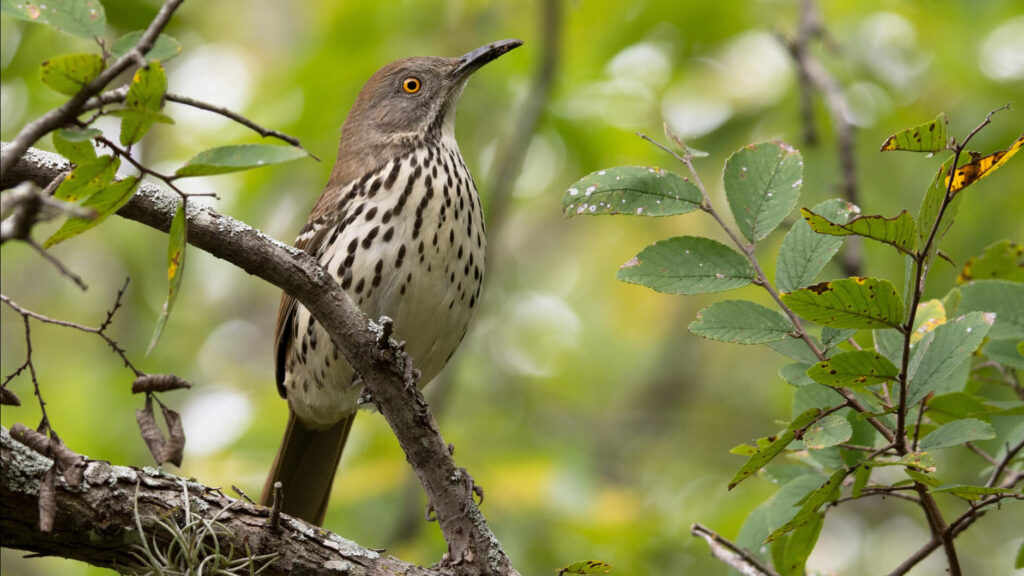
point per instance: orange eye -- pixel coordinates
(411, 85)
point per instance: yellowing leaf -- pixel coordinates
(979, 168)
(927, 137)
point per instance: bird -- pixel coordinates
(400, 226)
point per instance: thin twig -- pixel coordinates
(742, 560)
(762, 281)
(64, 271)
(984, 455)
(61, 115)
(1011, 453)
(101, 331)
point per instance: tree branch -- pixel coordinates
(472, 548)
(96, 522)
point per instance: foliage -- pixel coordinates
(891, 384)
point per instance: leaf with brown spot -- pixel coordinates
(926, 137)
(1001, 261)
(175, 268)
(899, 231)
(979, 168)
(586, 567)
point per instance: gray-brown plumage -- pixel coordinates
(400, 226)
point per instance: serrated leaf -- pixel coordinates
(917, 460)
(981, 167)
(898, 232)
(942, 350)
(831, 430)
(969, 492)
(740, 322)
(764, 455)
(1000, 261)
(88, 178)
(957, 432)
(163, 49)
(586, 567)
(74, 143)
(103, 203)
(814, 500)
(1005, 299)
(796, 374)
(796, 349)
(945, 408)
(1006, 352)
(236, 158)
(67, 74)
(849, 303)
(762, 184)
(82, 18)
(926, 137)
(854, 369)
(636, 190)
(831, 337)
(177, 238)
(688, 265)
(803, 253)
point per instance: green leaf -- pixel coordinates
(922, 478)
(796, 374)
(1018, 563)
(942, 350)
(236, 158)
(762, 183)
(67, 74)
(177, 236)
(831, 337)
(163, 49)
(969, 492)
(586, 567)
(688, 265)
(1000, 261)
(631, 190)
(824, 493)
(803, 253)
(104, 203)
(740, 322)
(945, 408)
(934, 196)
(899, 232)
(88, 178)
(1005, 299)
(957, 432)
(927, 137)
(797, 547)
(144, 100)
(82, 18)
(861, 475)
(74, 143)
(849, 303)
(764, 455)
(796, 349)
(831, 430)
(854, 369)
(1006, 352)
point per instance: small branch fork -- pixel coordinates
(943, 533)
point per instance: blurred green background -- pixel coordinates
(597, 425)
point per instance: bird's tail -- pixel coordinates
(305, 466)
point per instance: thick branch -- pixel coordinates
(472, 547)
(95, 523)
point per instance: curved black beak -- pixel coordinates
(472, 61)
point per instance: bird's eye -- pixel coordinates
(411, 85)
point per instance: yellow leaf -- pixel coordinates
(977, 169)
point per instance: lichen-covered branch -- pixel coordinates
(97, 521)
(472, 547)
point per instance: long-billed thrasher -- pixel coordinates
(400, 226)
